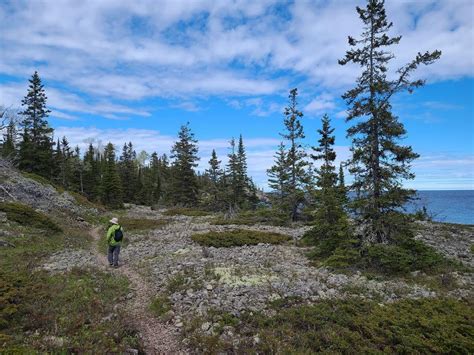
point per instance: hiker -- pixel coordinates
(114, 241)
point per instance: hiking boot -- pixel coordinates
(116, 266)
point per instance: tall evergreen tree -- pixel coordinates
(35, 153)
(65, 167)
(379, 163)
(237, 179)
(231, 177)
(9, 145)
(155, 179)
(330, 234)
(91, 178)
(327, 177)
(77, 168)
(296, 154)
(215, 173)
(342, 185)
(165, 179)
(111, 186)
(128, 170)
(184, 183)
(278, 176)
(241, 184)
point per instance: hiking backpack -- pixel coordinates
(118, 234)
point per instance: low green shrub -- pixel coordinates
(139, 224)
(238, 238)
(27, 216)
(71, 308)
(352, 326)
(421, 214)
(84, 201)
(185, 212)
(403, 257)
(260, 216)
(160, 305)
(355, 326)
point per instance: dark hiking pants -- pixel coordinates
(113, 254)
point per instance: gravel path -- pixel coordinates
(157, 338)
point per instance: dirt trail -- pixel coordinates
(157, 338)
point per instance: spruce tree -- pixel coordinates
(77, 168)
(327, 177)
(9, 144)
(35, 153)
(214, 172)
(296, 154)
(237, 178)
(241, 184)
(331, 233)
(184, 187)
(379, 162)
(278, 176)
(231, 177)
(111, 186)
(342, 185)
(155, 179)
(128, 171)
(165, 179)
(65, 167)
(91, 176)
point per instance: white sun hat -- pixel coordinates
(114, 220)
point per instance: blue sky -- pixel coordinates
(136, 70)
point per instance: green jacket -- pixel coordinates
(110, 235)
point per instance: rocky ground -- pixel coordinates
(16, 187)
(197, 280)
(453, 241)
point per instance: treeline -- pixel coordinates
(303, 182)
(112, 178)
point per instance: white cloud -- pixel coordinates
(123, 49)
(60, 101)
(321, 104)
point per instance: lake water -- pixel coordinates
(456, 206)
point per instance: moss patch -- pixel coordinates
(27, 216)
(238, 238)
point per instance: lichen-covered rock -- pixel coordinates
(453, 241)
(246, 278)
(68, 259)
(14, 186)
